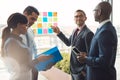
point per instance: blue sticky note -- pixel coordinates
(45, 19)
(49, 14)
(50, 30)
(56, 56)
(39, 30)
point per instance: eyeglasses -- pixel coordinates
(95, 9)
(33, 19)
(79, 16)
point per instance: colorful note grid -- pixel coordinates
(44, 21)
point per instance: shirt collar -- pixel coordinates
(103, 22)
(81, 27)
(16, 37)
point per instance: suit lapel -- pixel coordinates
(97, 31)
(75, 38)
(103, 26)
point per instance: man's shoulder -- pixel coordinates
(87, 30)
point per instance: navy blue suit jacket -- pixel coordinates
(102, 54)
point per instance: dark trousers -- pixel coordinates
(34, 74)
(77, 77)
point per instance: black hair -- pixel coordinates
(31, 9)
(12, 22)
(79, 10)
(106, 8)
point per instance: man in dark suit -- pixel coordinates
(101, 58)
(80, 39)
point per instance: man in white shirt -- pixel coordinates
(32, 14)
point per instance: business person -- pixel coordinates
(32, 14)
(14, 51)
(80, 39)
(102, 55)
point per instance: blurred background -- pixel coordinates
(59, 13)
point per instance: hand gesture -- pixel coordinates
(55, 29)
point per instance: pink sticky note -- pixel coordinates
(45, 31)
(44, 13)
(55, 24)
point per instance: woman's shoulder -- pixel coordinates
(10, 41)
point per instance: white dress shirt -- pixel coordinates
(103, 22)
(32, 45)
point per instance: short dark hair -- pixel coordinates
(31, 9)
(79, 10)
(106, 8)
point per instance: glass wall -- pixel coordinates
(65, 13)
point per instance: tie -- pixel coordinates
(75, 36)
(97, 31)
(76, 32)
(27, 39)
